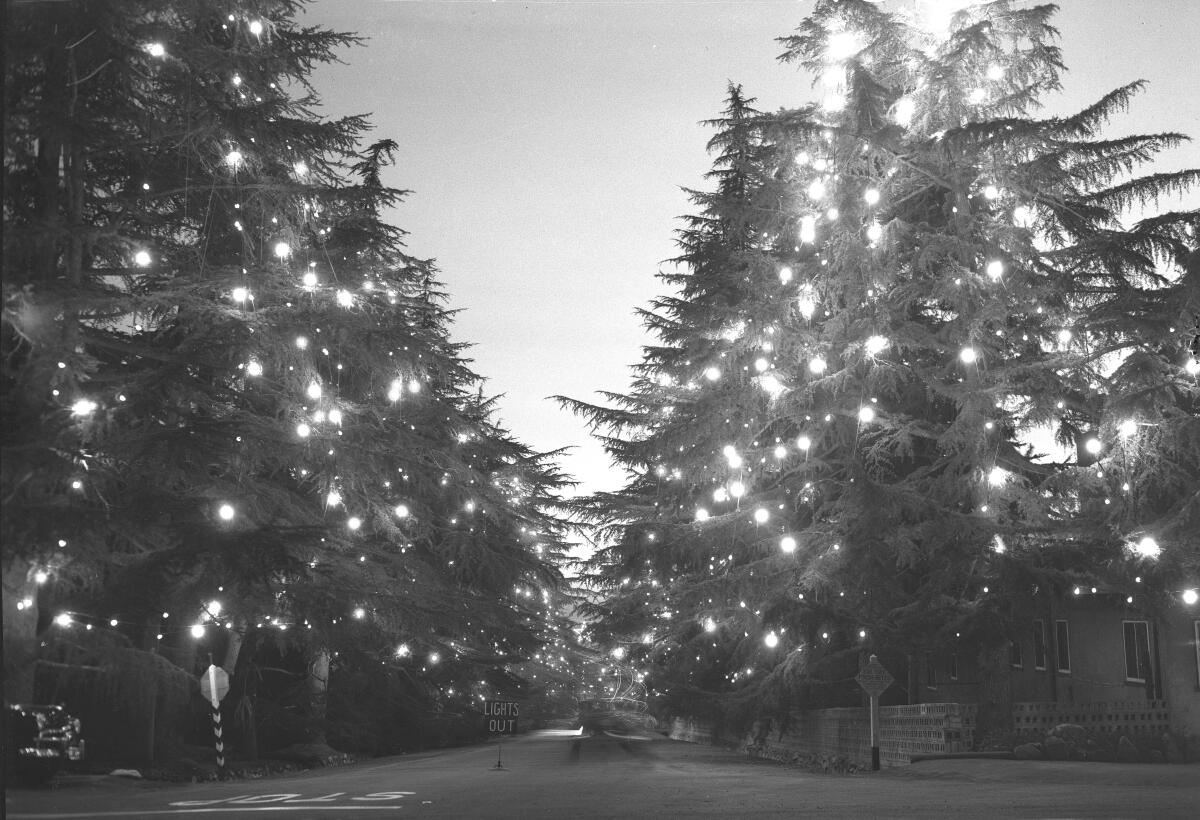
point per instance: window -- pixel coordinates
(1039, 644)
(1014, 655)
(1062, 646)
(952, 666)
(1137, 650)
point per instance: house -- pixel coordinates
(1094, 657)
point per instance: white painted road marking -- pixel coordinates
(244, 803)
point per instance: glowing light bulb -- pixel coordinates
(701, 514)
(1147, 548)
(402, 650)
(991, 192)
(83, 407)
(804, 442)
(968, 355)
(302, 342)
(360, 613)
(977, 96)
(240, 294)
(720, 495)
(997, 476)
(1190, 596)
(876, 345)
(874, 232)
(904, 110)
(807, 306)
(309, 279)
(785, 275)
(1128, 428)
(314, 390)
(1064, 336)
(142, 258)
(256, 28)
(817, 189)
(817, 364)
(808, 230)
(737, 489)
(995, 269)
(197, 631)
(283, 250)
(41, 576)
(1092, 445)
(300, 168)
(333, 498)
(787, 543)
(234, 158)
(832, 214)
(871, 195)
(414, 386)
(780, 452)
(226, 512)
(1192, 366)
(354, 522)
(866, 414)
(1022, 216)
(401, 511)
(62, 619)
(771, 640)
(345, 298)
(712, 373)
(710, 625)
(995, 72)
(761, 515)
(761, 364)
(395, 390)
(253, 368)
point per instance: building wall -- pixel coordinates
(1098, 672)
(1179, 649)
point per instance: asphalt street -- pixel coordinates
(553, 775)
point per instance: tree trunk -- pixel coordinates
(20, 629)
(318, 692)
(995, 716)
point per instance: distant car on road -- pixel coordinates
(38, 740)
(614, 716)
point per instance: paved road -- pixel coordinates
(545, 777)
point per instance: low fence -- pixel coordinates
(1129, 717)
(921, 729)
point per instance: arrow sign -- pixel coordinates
(214, 684)
(873, 678)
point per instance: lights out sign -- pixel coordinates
(501, 716)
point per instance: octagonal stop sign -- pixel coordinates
(214, 684)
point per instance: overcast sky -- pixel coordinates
(546, 143)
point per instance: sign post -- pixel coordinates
(501, 717)
(214, 685)
(874, 680)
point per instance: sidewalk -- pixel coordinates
(1062, 772)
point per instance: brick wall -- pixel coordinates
(927, 728)
(846, 733)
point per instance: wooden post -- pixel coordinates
(874, 733)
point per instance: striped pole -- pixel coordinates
(220, 744)
(215, 699)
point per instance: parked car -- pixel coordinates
(38, 741)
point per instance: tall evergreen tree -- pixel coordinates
(925, 363)
(225, 379)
